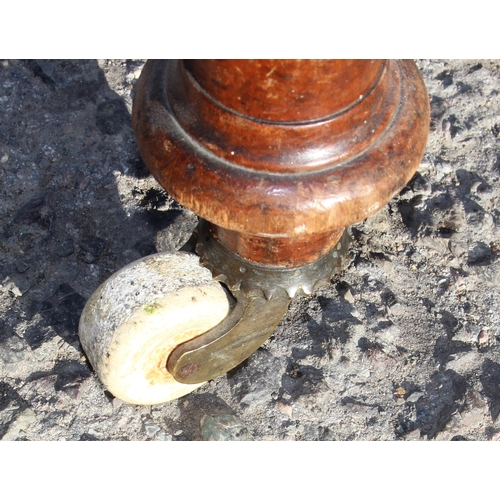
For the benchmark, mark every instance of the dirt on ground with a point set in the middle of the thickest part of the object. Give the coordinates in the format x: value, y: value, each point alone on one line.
x: 402, y: 345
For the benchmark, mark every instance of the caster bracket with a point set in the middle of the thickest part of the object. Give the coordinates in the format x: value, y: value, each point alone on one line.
x: 249, y: 324
x: 262, y: 293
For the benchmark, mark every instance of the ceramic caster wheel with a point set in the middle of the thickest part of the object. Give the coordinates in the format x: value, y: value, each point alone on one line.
x: 134, y: 320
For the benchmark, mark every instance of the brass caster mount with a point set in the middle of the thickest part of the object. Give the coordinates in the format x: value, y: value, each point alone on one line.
x: 277, y: 158
x: 262, y: 295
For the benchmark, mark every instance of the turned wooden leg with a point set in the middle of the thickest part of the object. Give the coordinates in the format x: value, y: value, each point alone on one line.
x: 277, y: 157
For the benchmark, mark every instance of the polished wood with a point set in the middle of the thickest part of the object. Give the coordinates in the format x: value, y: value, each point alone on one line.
x: 277, y: 251
x: 285, y: 90
x: 330, y: 132
x: 281, y: 155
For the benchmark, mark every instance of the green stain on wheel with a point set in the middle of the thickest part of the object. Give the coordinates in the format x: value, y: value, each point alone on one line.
x: 150, y: 308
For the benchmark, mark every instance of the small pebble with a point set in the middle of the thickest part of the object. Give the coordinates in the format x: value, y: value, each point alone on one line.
x: 474, y: 187
x: 84, y: 183
x: 21, y: 423
x: 151, y: 429
x: 396, y: 309
x: 224, y: 427
x: 65, y: 248
x: 483, y: 337
x: 413, y: 435
x: 414, y: 397
x: 462, y: 362
x: 21, y: 266
x: 399, y: 394
x: 117, y: 403
x: 285, y: 408
x: 163, y: 436
x: 348, y: 297
x: 18, y: 285
x: 388, y: 334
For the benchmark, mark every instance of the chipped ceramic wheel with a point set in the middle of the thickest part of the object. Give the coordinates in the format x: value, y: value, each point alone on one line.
x: 134, y: 320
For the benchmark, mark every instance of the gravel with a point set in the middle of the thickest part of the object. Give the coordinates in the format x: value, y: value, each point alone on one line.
x: 403, y: 344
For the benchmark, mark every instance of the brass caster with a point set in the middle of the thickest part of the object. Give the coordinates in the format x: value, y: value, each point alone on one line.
x: 262, y: 295
x: 160, y: 327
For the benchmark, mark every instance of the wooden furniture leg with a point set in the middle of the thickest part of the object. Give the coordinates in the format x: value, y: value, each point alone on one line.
x: 277, y: 157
